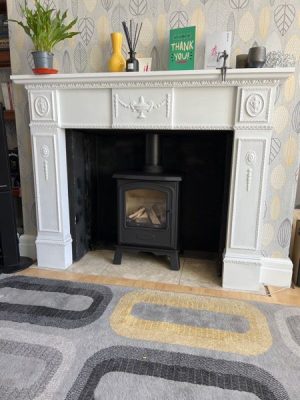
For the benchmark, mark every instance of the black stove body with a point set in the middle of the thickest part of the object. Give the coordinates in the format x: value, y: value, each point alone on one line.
x: 148, y: 208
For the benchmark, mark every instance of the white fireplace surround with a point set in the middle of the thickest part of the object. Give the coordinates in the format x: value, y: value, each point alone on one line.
x: 186, y: 100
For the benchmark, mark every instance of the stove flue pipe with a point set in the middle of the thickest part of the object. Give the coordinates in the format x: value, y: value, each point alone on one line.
x: 153, y: 154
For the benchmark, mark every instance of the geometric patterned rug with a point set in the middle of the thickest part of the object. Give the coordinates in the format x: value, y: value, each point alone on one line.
x: 68, y: 340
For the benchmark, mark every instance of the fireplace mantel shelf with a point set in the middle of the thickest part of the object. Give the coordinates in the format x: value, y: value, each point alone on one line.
x: 186, y: 100
x: 235, y: 77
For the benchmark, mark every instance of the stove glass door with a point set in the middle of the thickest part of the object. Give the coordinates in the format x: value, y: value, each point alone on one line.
x: 146, y: 208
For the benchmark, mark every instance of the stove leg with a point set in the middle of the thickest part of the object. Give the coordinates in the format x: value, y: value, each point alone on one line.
x: 118, y: 256
x: 174, y: 261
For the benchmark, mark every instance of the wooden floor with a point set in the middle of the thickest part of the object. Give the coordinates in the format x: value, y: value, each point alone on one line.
x: 287, y: 296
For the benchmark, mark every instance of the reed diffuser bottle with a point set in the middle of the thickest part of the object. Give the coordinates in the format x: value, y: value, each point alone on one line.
x: 132, y: 64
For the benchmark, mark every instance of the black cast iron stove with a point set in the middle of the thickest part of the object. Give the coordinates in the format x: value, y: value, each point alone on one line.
x: 148, y: 208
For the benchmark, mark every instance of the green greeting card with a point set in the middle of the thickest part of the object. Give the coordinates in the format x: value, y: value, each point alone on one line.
x: 182, y: 48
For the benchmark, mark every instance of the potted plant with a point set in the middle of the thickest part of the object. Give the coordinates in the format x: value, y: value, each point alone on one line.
x: 46, y: 27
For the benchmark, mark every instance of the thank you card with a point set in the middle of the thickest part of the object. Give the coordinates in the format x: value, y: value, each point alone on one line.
x: 182, y: 48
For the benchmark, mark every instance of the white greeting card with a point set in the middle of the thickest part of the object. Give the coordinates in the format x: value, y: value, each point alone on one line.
x: 216, y: 43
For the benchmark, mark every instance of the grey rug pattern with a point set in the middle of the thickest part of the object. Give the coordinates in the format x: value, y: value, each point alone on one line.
x: 58, y: 340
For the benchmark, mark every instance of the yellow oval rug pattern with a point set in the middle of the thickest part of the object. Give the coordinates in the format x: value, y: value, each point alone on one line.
x: 254, y: 339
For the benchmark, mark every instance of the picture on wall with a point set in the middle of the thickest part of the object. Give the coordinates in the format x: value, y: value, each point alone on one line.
x: 182, y: 48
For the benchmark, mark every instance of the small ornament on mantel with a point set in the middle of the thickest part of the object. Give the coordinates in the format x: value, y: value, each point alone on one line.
x: 257, y: 57
x: 215, y: 44
x: 116, y: 62
x: 132, y: 36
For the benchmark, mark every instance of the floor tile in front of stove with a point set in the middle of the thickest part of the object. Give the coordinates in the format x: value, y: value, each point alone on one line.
x: 200, y: 273
x: 147, y: 267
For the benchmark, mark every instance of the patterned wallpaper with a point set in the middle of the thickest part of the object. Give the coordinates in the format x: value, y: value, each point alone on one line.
x: 273, y: 23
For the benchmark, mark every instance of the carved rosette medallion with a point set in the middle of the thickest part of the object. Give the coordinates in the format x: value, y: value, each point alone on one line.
x: 45, y: 151
x: 41, y: 106
x: 250, y: 158
x: 254, y: 105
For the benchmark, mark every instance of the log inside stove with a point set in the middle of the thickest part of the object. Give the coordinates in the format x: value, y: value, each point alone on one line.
x: 153, y: 215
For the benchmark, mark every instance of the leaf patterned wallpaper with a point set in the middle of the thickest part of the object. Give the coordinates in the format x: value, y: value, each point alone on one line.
x: 273, y: 23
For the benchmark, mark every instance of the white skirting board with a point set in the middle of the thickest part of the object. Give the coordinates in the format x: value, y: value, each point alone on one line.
x: 276, y: 271
x: 27, y: 246
x: 243, y: 274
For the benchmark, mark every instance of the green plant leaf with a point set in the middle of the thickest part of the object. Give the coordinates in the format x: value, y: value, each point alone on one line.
x: 45, y: 26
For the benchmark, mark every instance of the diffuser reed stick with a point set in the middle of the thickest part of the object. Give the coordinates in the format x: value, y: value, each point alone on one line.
x: 137, y: 38
x: 128, y: 38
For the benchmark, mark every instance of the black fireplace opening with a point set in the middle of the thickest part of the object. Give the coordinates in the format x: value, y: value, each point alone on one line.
x: 201, y: 158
